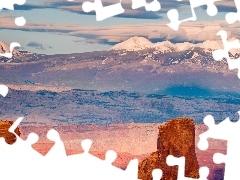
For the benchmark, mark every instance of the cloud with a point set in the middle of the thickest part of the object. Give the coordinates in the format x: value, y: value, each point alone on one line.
x: 38, y: 45
x: 140, y: 13
x: 76, y: 7
x: 27, y: 7
x: 189, y: 31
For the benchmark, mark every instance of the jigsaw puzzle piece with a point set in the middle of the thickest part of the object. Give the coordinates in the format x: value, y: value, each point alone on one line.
x: 157, y: 174
x: 153, y: 6
x: 12, y: 46
x: 232, y: 17
x: 58, y: 149
x: 219, y: 158
x: 3, y: 90
x: 216, y: 131
x: 203, y: 143
x: 224, y: 53
x: 86, y: 145
x: 9, y: 4
x: 103, y: 169
x: 87, y: 164
x: 21, y: 151
x: 22, y: 146
x: 56, y: 157
x: 231, y: 161
x: 110, y: 172
x: 20, y: 21
x: 110, y: 156
x: 132, y: 169
x: 180, y: 162
x: 103, y: 13
x: 227, y: 46
x: 173, y: 14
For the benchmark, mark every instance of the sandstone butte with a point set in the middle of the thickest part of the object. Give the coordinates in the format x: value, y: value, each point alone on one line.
x: 9, y: 137
x: 176, y: 137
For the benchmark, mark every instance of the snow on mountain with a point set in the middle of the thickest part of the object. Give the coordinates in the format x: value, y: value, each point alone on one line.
x: 5, y: 48
x: 134, y: 44
x: 211, y: 45
x: 165, y: 46
x: 139, y: 43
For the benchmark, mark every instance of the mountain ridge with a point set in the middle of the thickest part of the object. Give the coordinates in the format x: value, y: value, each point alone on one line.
x: 145, y: 70
x: 139, y: 43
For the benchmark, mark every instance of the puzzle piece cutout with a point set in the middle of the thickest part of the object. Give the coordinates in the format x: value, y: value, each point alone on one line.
x: 3, y: 90
x: 153, y: 6
x: 21, y: 151
x: 173, y: 14
x: 224, y: 53
x: 12, y: 46
x: 19, y: 21
x: 56, y: 164
x: 229, y: 131
x: 157, y: 174
x: 180, y: 162
x: 232, y: 17
x: 51, y: 166
x: 9, y: 4
x: 102, y: 169
x: 58, y: 149
x: 103, y: 13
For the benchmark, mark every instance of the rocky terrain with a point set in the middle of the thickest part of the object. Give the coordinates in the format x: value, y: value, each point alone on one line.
x: 9, y: 137
x: 103, y: 108
x: 147, y: 70
x: 176, y: 137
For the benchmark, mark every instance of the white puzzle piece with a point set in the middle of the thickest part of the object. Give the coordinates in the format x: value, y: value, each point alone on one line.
x: 232, y: 17
x: 173, y: 14
x: 224, y: 53
x: 153, y: 6
x: 180, y: 162
x: 3, y: 90
x: 103, y: 13
x: 229, y: 131
x: 19, y: 21
x: 12, y: 46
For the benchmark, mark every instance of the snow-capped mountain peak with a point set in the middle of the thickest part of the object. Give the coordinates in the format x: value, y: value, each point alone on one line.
x: 211, y: 45
x: 139, y: 43
x: 134, y: 44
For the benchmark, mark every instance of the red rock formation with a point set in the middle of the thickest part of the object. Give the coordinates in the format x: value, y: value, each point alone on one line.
x: 176, y: 137
x: 9, y: 137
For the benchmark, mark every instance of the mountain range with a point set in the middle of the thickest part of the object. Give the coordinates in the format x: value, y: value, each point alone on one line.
x: 133, y: 65
x: 134, y: 81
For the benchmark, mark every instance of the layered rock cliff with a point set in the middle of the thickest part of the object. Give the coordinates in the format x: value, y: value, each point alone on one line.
x: 9, y: 137
x: 176, y: 137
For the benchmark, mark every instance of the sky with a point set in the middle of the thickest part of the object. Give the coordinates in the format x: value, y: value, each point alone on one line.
x: 61, y: 26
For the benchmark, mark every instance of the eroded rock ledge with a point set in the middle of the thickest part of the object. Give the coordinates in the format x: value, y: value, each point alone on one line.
x: 176, y: 137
